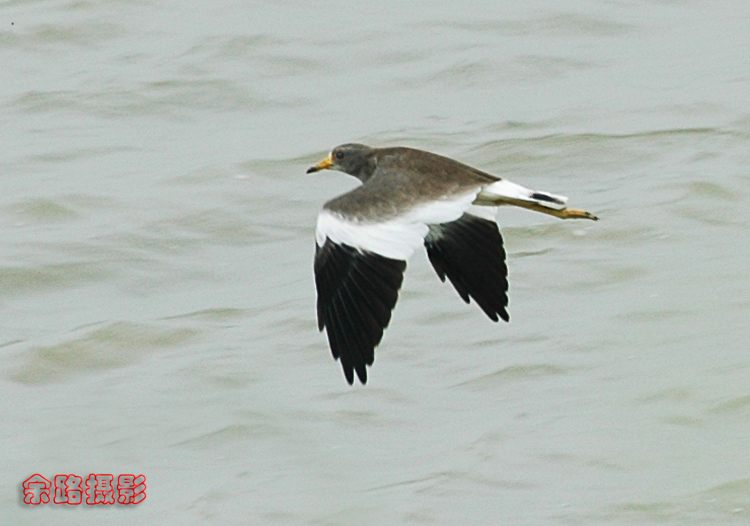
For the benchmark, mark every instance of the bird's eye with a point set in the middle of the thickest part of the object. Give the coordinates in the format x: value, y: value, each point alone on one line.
x: 339, y: 155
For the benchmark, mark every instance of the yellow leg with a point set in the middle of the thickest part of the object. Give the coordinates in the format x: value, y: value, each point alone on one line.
x: 562, y: 213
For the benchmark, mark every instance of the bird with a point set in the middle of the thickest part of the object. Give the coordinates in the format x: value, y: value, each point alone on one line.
x: 409, y: 197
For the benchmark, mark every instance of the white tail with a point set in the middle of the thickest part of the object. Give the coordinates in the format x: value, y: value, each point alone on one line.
x: 493, y: 194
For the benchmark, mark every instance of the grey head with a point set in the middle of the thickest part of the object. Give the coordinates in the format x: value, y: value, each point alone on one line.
x: 353, y: 159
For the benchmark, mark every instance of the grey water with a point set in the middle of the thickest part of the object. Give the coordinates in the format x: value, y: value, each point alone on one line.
x: 157, y: 305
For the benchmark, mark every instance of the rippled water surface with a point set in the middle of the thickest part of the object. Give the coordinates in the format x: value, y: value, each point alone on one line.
x: 156, y: 262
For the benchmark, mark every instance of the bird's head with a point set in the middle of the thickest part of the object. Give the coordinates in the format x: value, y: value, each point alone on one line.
x: 353, y: 159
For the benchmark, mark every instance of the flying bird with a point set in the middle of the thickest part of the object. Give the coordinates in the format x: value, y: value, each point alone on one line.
x: 409, y: 197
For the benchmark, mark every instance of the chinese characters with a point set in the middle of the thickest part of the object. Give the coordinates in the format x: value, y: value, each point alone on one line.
x: 98, y: 488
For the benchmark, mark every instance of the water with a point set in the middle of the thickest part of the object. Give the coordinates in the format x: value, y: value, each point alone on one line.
x: 157, y: 236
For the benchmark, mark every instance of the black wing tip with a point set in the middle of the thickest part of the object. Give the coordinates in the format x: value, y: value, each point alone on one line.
x: 495, y: 314
x: 350, y: 369
x: 357, y: 292
x: 470, y: 252
x: 349, y: 375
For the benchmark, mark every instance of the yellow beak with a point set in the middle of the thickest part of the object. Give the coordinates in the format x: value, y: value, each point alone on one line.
x: 322, y: 165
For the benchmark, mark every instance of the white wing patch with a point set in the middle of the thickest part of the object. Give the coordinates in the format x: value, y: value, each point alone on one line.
x: 395, y: 238
x: 392, y: 239
x: 504, y: 188
x: 484, y: 212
